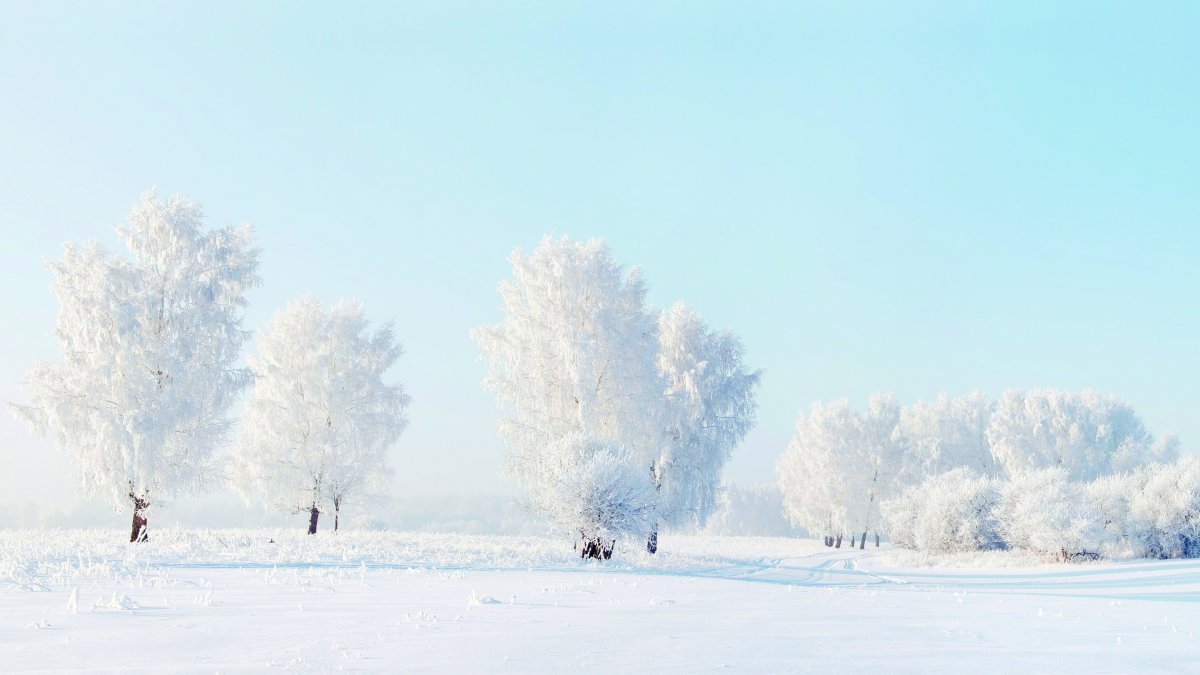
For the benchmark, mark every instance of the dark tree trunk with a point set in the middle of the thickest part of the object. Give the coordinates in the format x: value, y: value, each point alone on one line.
x: 862, y: 543
x: 597, y: 550
x: 828, y: 540
x: 876, y: 540
x: 337, y: 513
x: 312, y: 519
x: 652, y: 542
x: 837, y: 543
x: 140, y: 532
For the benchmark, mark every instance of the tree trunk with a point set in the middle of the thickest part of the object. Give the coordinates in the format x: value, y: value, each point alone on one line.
x: 652, y: 542
x: 140, y: 532
x: 828, y: 540
x: 337, y: 513
x: 837, y: 543
x: 597, y: 550
x: 862, y: 543
x: 312, y: 519
x: 876, y: 540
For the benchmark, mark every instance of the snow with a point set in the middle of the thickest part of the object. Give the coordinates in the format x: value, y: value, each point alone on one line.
x: 231, y: 601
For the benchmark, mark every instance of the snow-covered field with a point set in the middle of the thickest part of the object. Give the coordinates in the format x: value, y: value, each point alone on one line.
x: 261, y: 600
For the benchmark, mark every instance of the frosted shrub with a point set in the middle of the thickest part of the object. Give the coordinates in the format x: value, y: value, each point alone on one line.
x: 1044, y: 512
x: 900, y: 515
x: 1164, y: 516
x: 602, y: 493
x: 1111, y: 497
x: 948, y: 513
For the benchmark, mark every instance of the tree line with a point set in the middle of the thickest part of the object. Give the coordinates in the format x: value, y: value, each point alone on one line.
x: 970, y: 473
x: 618, y: 418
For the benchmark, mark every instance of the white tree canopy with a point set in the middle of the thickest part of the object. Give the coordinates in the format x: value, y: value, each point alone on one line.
x: 814, y: 472
x: 1087, y: 434
x: 708, y: 410
x: 575, y: 352
x: 150, y: 346
x: 879, y: 455
x: 321, y: 419
x: 841, y: 465
x: 946, y: 434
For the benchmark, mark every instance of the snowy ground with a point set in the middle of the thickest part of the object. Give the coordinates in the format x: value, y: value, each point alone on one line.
x: 231, y: 601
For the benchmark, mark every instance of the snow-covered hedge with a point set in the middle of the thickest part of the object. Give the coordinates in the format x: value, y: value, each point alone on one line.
x: 948, y: 513
x: 843, y: 462
x: 1152, y: 512
x: 1164, y: 514
x: 1045, y: 512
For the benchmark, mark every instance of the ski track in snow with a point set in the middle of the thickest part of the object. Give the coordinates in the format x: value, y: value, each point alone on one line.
x: 236, y: 601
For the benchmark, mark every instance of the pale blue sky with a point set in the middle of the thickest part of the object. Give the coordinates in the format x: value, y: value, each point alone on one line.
x: 914, y: 197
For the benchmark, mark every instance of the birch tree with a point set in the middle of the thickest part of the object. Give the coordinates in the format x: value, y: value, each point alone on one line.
x: 593, y: 381
x: 709, y: 407
x: 321, y: 419
x: 573, y: 365
x: 150, y: 344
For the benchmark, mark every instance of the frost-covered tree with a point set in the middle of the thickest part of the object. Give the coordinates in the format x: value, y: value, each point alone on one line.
x: 1088, y: 435
x: 573, y: 363
x: 709, y: 408
x: 875, y: 455
x: 815, y: 471
x: 321, y: 418
x: 878, y: 457
x: 947, y: 434
x: 150, y: 346
x: 583, y: 367
x: 840, y: 466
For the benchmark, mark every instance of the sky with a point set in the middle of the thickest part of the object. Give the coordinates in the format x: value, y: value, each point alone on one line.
x: 908, y: 197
